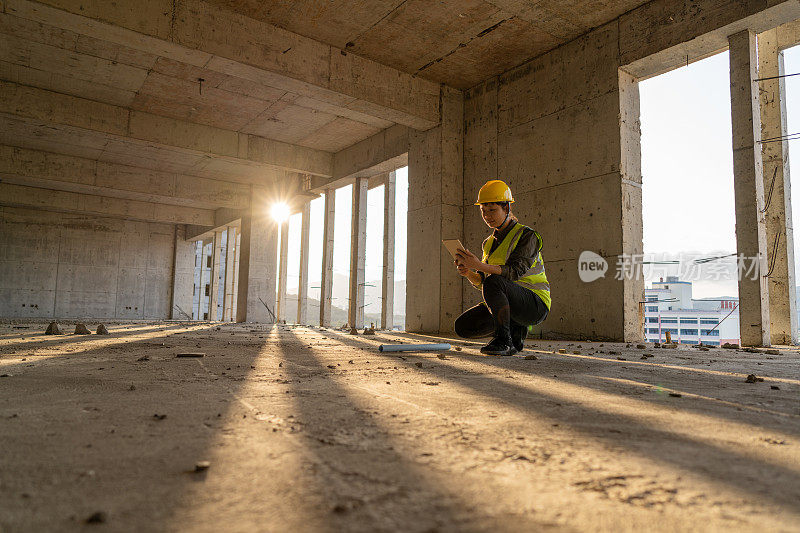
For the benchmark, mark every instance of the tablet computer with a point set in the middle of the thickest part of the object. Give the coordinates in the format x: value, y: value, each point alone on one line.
x: 453, y: 245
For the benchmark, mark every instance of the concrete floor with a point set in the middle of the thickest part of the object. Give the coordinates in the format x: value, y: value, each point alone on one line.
x: 314, y: 430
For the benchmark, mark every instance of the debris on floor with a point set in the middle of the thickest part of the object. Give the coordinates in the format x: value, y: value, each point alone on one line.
x: 97, y: 518
x: 53, y: 329
x: 191, y: 354
x: 102, y: 330
x: 752, y: 378
x: 81, y: 329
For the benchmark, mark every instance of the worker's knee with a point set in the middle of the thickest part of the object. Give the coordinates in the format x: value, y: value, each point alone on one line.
x: 492, y: 282
x: 462, y: 328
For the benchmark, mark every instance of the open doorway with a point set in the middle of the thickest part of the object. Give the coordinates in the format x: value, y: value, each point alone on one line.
x: 688, y: 205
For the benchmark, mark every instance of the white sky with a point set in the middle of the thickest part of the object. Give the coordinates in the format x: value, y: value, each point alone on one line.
x: 341, y: 228
x: 687, y: 162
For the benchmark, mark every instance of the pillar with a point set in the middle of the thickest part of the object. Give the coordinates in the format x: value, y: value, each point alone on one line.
x: 283, y: 270
x: 629, y: 193
x: 258, y: 259
x: 326, y: 287
x: 184, y: 253
x: 777, y: 191
x: 201, y: 287
x: 387, y: 291
x: 236, y: 275
x: 358, y: 245
x: 435, y: 185
x: 216, y: 264
x: 748, y: 183
x: 230, y: 268
x: 302, y: 287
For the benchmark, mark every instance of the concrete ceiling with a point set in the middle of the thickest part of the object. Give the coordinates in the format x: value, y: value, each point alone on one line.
x: 456, y: 42
x: 141, y: 81
x: 222, y: 94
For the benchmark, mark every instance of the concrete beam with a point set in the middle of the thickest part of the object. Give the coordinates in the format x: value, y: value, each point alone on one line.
x: 661, y: 35
x: 788, y: 34
x: 119, y: 123
x: 777, y: 187
x: 206, y: 36
x: 47, y: 170
x: 22, y: 196
x: 223, y: 218
x: 383, y: 152
x: 748, y: 181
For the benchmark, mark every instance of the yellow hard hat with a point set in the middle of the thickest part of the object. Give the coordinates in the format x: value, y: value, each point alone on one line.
x: 494, y: 191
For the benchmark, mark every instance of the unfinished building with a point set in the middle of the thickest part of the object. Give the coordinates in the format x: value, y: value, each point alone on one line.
x: 145, y: 128
x: 132, y: 131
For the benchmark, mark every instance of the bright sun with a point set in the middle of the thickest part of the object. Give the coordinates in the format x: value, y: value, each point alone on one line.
x: 280, y: 212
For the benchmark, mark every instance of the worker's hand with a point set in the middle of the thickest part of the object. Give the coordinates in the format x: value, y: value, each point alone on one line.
x: 468, y: 259
x: 464, y: 271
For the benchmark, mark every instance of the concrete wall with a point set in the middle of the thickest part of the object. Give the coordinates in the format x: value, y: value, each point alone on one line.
x: 562, y: 130
x: 435, y: 184
x: 75, y: 266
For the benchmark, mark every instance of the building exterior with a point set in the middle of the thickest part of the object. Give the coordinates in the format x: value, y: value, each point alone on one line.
x: 669, y: 307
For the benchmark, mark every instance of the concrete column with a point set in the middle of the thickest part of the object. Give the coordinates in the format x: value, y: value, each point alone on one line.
x: 777, y: 191
x: 283, y: 270
x: 236, y: 275
x: 258, y: 260
x: 387, y: 291
x: 302, y: 288
x: 182, y: 275
x: 230, y: 260
x: 326, y: 287
x: 201, y: 287
x: 630, y: 195
x: 748, y: 183
x: 435, y: 212
x: 216, y: 264
x: 358, y: 254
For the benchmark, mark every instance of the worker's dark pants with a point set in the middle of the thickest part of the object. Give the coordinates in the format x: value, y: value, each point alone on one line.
x: 505, y: 304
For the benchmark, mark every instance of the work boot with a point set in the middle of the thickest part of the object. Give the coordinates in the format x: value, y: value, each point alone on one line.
x: 499, y: 346
x: 518, y: 335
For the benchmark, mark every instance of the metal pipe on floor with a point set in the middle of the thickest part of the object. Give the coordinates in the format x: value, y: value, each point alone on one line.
x: 414, y: 347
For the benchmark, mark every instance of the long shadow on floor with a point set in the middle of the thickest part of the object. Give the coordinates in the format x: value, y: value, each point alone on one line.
x: 360, y: 472
x: 35, y: 340
x: 747, y: 474
x: 113, y: 430
x: 575, y: 371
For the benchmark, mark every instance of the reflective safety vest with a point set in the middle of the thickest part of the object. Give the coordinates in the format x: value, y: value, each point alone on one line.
x: 535, y: 278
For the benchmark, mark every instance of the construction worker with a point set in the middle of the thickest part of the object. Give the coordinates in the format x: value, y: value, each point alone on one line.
x: 510, y: 275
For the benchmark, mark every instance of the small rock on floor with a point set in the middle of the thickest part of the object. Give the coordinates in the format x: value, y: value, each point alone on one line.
x: 53, y: 329
x: 81, y: 329
x: 97, y: 518
x: 102, y: 330
x: 752, y: 378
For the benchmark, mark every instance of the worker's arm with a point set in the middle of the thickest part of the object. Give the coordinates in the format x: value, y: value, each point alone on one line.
x: 469, y: 260
x: 474, y: 277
